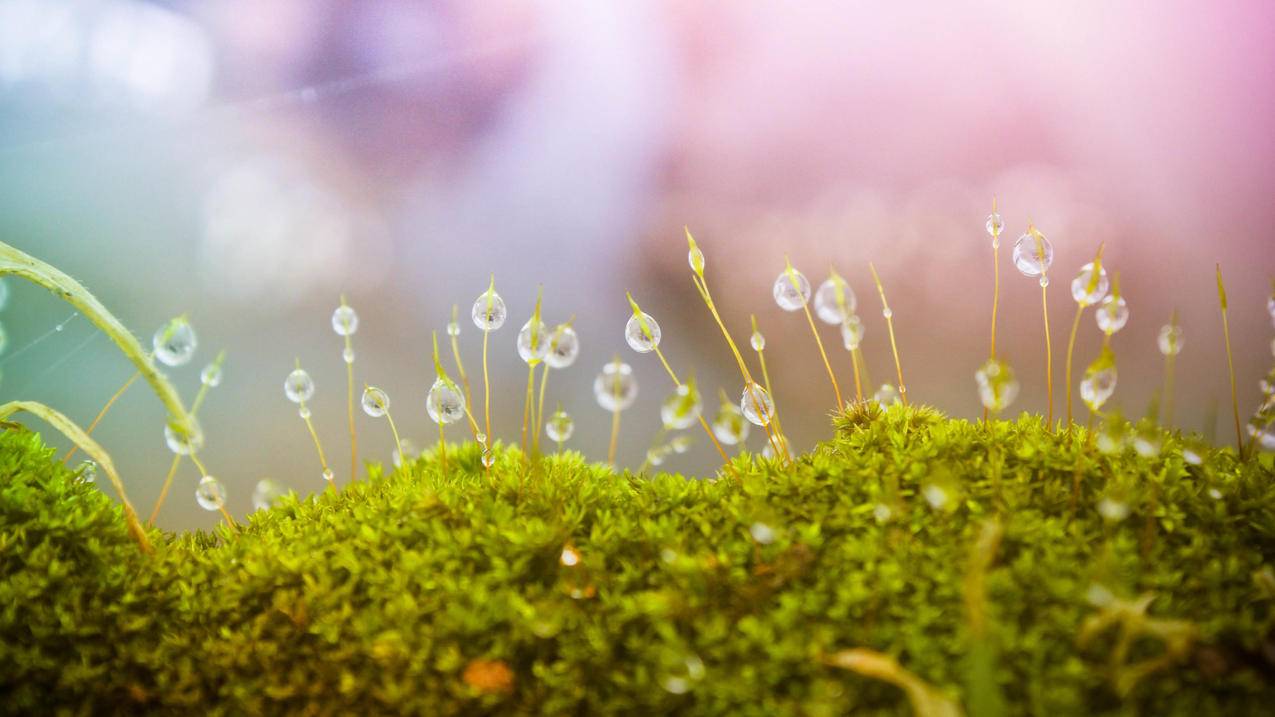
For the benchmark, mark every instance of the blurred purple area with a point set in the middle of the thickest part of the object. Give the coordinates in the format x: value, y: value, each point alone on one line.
x: 248, y: 162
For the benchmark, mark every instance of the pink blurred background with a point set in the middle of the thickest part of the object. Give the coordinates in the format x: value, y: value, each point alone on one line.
x: 247, y: 162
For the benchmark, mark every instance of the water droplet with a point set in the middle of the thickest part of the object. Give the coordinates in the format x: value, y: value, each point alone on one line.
x: 757, y: 405
x: 489, y: 458
x: 210, y: 494
x: 1147, y: 442
x: 1088, y: 290
x: 481, y: 438
x: 560, y: 426
x: 211, y: 375
x: 445, y: 404
x: 1215, y: 494
x: 682, y: 674
x: 615, y: 388
x: 1099, y: 595
x: 298, y: 386
x: 1112, y: 510
x: 409, y: 450
x: 682, y: 408
x: 569, y: 557
x: 1170, y: 340
x: 1112, y: 437
x: 655, y: 456
x: 564, y: 347
x: 997, y: 387
x: 995, y: 225
x: 1044, y: 281
x: 762, y: 533
x: 267, y: 493
x: 887, y: 395
x: 174, y: 342
x: 88, y: 472
x: 852, y: 332
x: 935, y: 495
x: 642, y: 333
x: 730, y: 426
x: 882, y: 513
x: 1267, y: 384
x: 834, y: 301
x: 489, y: 311
x: 1112, y: 314
x: 347, y: 354
x: 533, y: 341
x: 887, y: 312
x: 304, y: 411
x: 694, y: 257
x: 345, y: 321
x: 758, y: 341
x: 1032, y: 257
x: 791, y: 297
x: 680, y: 444
x: 1262, y: 429
x: 1192, y: 456
x: 184, y: 443
x: 376, y: 403
x: 768, y: 451
x: 328, y: 475
x: 453, y: 328
x: 1099, y: 382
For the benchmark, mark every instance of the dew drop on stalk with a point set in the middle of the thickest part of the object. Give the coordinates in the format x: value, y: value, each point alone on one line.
x: 788, y: 296
x: 1170, y: 340
x: 834, y: 301
x: 560, y: 426
x: 887, y: 395
x: 642, y: 333
x: 1088, y: 290
x: 345, y: 321
x: 683, y: 675
x: 695, y: 258
x: 995, y: 225
x: 682, y: 408
x: 757, y: 405
x: 298, y: 387
x: 569, y: 557
x: 1033, y: 254
x: 936, y: 495
x: 680, y: 444
x: 347, y: 355
x: 1098, y: 384
x: 304, y: 411
x: 1112, y: 437
x: 410, y: 452
x: 328, y: 475
x: 88, y: 471
x: 533, y: 341
x: 997, y: 387
x: 615, y: 388
x: 730, y: 426
x: 489, y: 311
x: 267, y: 493
x: 1146, y: 442
x: 184, y: 443
x: 564, y: 347
x: 453, y: 328
x: 210, y: 494
x: 211, y: 375
x: 758, y: 341
x: 175, y: 342
x: 481, y: 438
x: 489, y: 458
x: 376, y: 403
x: 445, y: 404
x: 768, y: 452
x: 1112, y: 314
x: 852, y: 332
x: 655, y: 456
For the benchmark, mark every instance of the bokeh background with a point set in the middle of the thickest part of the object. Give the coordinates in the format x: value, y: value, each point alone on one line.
x: 247, y: 162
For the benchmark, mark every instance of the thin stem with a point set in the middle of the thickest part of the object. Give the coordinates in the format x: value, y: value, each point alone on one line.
x: 702, y: 422
x: 996, y: 292
x: 486, y: 396
x: 163, y: 492
x: 1071, y: 346
x: 615, y: 436
x: 836, y: 389
x: 1230, y: 363
x: 349, y: 406
x: 858, y: 385
x: 102, y: 413
x: 398, y: 445
x: 889, y: 323
x: 702, y: 286
x: 526, y: 407
x: 777, y: 444
x: 442, y: 448
x: 655, y: 442
x: 1049, y: 363
x: 863, y: 367
x: 460, y: 365
x: 323, y: 459
x: 540, y: 410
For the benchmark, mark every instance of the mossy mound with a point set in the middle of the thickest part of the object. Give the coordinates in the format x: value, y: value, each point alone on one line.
x: 437, y: 592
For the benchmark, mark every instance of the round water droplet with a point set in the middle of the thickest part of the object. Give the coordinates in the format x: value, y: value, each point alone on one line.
x: 489, y: 458
x: 655, y: 456
x: 995, y: 225
x: 852, y: 332
x: 997, y: 387
x: 882, y: 513
x: 642, y: 333
x: 489, y: 311
x: 680, y: 444
x: 481, y: 438
x: 183, y: 444
x: 453, y: 328
x: 834, y: 301
x: 345, y: 321
x: 410, y: 451
x: 762, y: 533
x: 298, y: 386
x: 1192, y: 456
x: 1097, y: 386
x: 682, y: 408
x: 88, y: 472
x: 174, y: 342
x: 887, y: 312
x: 790, y: 296
x: 887, y: 395
x: 347, y: 354
x: 445, y: 404
x: 1170, y: 340
x: 730, y: 426
x: 758, y: 341
x: 211, y: 375
x: 1086, y: 289
x: 1147, y: 443
x: 210, y: 494
x: 1112, y: 314
x: 560, y: 426
x: 1033, y: 254
x: 615, y: 388
x: 328, y: 475
x: 304, y: 411
x: 757, y: 405
x: 564, y: 347
x: 936, y: 495
x: 376, y: 403
x: 569, y: 557
x: 533, y: 341
x: 1113, y: 510
x: 682, y: 674
x: 1044, y: 281
x: 267, y: 493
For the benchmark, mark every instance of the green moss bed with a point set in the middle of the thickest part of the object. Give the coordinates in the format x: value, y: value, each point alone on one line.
x: 445, y: 592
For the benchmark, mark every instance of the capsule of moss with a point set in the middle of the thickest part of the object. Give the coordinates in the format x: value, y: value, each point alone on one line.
x: 211, y: 375
x: 186, y: 442
x: 1170, y: 340
x: 997, y: 387
x: 88, y: 471
x: 1033, y: 253
x: 489, y: 312
x: 1099, y: 381
x: 1112, y: 314
x: 852, y: 332
x: 533, y: 341
x: 210, y: 493
x: 995, y: 225
x: 642, y: 332
x: 834, y: 301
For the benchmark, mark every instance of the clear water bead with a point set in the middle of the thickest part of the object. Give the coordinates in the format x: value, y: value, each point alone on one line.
x: 560, y: 426
x: 695, y: 258
x: 758, y: 341
x: 533, y: 341
x: 682, y: 408
x: 642, y: 333
x: 852, y: 332
x: 615, y: 388
x: 757, y: 405
x: 791, y: 297
x: 1170, y: 340
x: 410, y: 452
x: 882, y: 513
x: 655, y: 456
x: 347, y: 355
x: 481, y: 438
x: 210, y: 494
x: 453, y: 328
x: 304, y: 411
x: 1087, y: 289
x: 267, y: 493
x: 489, y: 311
x: 834, y: 301
x: 887, y: 395
x: 1112, y: 314
x: 887, y: 312
x: 1113, y: 510
x: 175, y: 342
x: 1097, y: 386
x: 345, y: 321
x: 683, y: 675
x: 298, y: 387
x: 88, y: 472
x: 184, y: 444
x: 328, y: 475
x: 1033, y: 258
x: 730, y: 426
x: 489, y: 458
x: 376, y: 403
x: 1147, y: 442
x: 445, y: 404
x: 997, y: 387
x: 762, y: 533
x: 995, y: 225
x: 564, y: 347
x: 211, y: 375
x: 680, y: 444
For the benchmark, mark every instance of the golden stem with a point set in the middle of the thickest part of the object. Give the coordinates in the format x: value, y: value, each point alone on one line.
x: 1230, y: 364
x: 889, y: 323
x: 349, y: 406
x: 398, y: 445
x: 702, y: 422
x: 229, y: 520
x: 858, y: 385
x: 540, y: 410
x: 615, y: 436
x: 824, y: 355
x: 702, y: 286
x: 163, y: 492
x: 779, y: 446
x: 323, y: 459
x: 100, y: 414
x: 1049, y: 363
x: 1071, y: 345
x: 442, y: 448
x: 460, y: 365
x: 486, y: 395
x: 863, y: 367
x: 526, y: 407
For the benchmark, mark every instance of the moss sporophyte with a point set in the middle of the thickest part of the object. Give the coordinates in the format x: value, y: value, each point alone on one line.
x: 908, y: 561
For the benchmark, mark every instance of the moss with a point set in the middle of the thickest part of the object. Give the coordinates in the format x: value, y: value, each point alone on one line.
x: 432, y: 593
